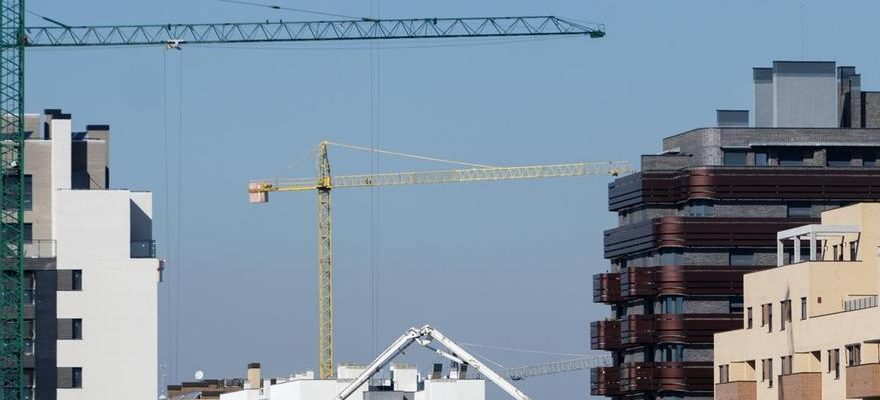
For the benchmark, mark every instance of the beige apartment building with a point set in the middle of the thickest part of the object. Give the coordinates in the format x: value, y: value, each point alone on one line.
x: 811, y: 326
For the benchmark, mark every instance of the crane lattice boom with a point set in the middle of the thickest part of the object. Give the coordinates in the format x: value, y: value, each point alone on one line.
x: 557, y: 367
x: 282, y: 31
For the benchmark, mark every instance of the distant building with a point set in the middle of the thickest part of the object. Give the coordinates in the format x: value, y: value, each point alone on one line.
x: 812, y: 327
x: 705, y: 211
x: 405, y: 383
x: 90, y: 269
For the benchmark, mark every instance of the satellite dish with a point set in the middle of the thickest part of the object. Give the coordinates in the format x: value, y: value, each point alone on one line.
x: 200, y: 375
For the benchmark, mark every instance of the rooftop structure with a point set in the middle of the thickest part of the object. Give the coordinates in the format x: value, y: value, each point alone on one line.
x: 707, y: 209
x: 829, y: 348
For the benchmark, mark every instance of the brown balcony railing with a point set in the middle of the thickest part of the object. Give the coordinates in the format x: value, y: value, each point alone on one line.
x: 676, y: 328
x: 863, y: 381
x: 605, y: 381
x: 606, y: 288
x: 742, y: 390
x: 672, y: 376
x: 801, y: 386
x: 605, y: 335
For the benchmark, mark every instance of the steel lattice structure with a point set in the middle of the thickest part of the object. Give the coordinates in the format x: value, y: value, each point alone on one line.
x: 15, y: 37
x: 281, y: 31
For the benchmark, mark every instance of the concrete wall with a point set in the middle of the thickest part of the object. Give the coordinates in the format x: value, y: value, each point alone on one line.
x: 763, y: 96
x: 805, y: 94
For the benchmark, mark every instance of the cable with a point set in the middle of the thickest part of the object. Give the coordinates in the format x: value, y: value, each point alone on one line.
x: 488, y: 41
x: 413, y: 156
x: 300, y: 10
x: 179, y: 213
x: 168, y: 327
x: 552, y: 353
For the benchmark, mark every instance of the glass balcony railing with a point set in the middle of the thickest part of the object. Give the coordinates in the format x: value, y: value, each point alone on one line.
x: 143, y: 249
x: 39, y: 249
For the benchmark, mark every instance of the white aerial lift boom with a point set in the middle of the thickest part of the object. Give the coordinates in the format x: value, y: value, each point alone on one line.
x: 424, y: 336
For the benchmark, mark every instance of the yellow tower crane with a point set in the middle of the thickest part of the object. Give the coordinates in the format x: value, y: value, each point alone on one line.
x: 325, y: 182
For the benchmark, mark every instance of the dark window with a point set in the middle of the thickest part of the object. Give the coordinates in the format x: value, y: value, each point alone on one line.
x: 671, y: 353
x: 28, y: 232
x: 762, y: 159
x: 76, y: 327
x: 723, y: 373
x: 803, y: 308
x: 791, y: 157
x: 785, y: 307
x: 786, y: 365
x: 767, y: 316
x: 672, y: 304
x: 839, y: 158
x: 749, y: 318
x: 741, y: 257
x: 767, y: 371
x: 800, y: 210
x: 76, y: 279
x: 834, y: 363
x: 76, y: 377
x: 853, y: 250
x: 671, y: 257
x: 736, y: 304
x: 853, y: 355
x: 69, y: 280
x: 12, y: 180
x: 734, y: 158
x: 869, y: 159
x: 69, y: 377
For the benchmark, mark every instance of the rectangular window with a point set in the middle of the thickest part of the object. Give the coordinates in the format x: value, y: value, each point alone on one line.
x: 767, y: 316
x: 742, y: 258
x: 853, y: 250
x: 853, y: 355
x: 76, y: 279
x: 786, y: 365
x: 723, y: 373
x: 28, y: 233
x: 800, y: 210
x: 869, y: 159
x: 749, y: 318
x: 767, y: 371
x: 803, y: 308
x: 735, y: 158
x: 69, y: 378
x: 69, y: 280
x: 834, y: 363
x: 672, y: 304
x: 671, y: 257
x: 791, y: 157
x: 785, y: 308
x: 701, y: 208
x: 11, y: 180
x: 736, y: 305
x: 76, y: 377
x: 839, y: 158
x: 762, y: 159
x: 76, y: 329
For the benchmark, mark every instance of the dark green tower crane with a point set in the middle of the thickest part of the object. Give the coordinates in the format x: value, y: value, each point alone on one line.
x: 15, y: 37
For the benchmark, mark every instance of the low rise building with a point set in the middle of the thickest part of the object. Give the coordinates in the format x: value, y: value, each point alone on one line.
x: 811, y: 327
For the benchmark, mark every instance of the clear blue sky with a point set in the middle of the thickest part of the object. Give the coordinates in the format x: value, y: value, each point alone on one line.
x: 508, y: 264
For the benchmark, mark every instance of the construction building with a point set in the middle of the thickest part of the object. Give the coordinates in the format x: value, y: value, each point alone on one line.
x: 811, y: 329
x: 706, y: 210
x: 91, y: 275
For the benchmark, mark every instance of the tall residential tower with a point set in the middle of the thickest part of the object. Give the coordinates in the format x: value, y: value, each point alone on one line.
x: 706, y: 210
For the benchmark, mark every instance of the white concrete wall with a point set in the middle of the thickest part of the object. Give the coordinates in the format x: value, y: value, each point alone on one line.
x: 311, y: 390
x: 448, y: 389
x: 118, y: 301
x: 60, y: 130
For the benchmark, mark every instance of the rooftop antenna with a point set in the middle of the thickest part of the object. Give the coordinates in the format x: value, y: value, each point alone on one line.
x: 803, y: 51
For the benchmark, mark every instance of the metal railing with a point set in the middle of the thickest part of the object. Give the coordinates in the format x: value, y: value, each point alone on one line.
x: 860, y: 303
x: 143, y: 249
x: 39, y: 249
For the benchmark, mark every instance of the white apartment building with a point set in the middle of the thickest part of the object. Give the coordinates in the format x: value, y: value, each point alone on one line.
x: 92, y: 276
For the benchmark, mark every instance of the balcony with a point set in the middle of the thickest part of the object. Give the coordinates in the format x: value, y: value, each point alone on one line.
x: 638, y: 282
x: 672, y: 376
x: 687, y: 328
x: 143, y: 249
x: 606, y: 288
x: 863, y: 381
x: 605, y: 381
x: 605, y: 335
x: 39, y: 249
x: 801, y: 386
x: 746, y: 390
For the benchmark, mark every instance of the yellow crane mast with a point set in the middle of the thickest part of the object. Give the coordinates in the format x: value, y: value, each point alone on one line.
x: 325, y: 182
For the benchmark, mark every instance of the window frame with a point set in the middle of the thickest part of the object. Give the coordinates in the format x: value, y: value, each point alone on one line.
x: 803, y: 308
x: 853, y: 354
x: 749, y: 318
x: 728, y: 160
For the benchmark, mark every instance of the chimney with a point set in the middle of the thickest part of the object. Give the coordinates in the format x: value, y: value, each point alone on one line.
x: 253, y: 375
x: 763, y: 100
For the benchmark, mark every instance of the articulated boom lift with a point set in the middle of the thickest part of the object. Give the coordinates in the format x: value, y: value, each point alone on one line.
x: 424, y: 336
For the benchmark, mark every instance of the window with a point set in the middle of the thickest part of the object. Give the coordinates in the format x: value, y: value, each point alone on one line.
x: 762, y: 159
x: 799, y: 210
x: 28, y: 232
x: 672, y: 305
x: 791, y: 157
x: 803, y: 308
x: 853, y: 355
x: 76, y: 279
x: 671, y: 353
x: 76, y: 328
x: 701, y: 208
x: 853, y: 250
x: 785, y: 307
x: 742, y: 257
x: 735, y: 158
x: 786, y: 365
x: 767, y: 316
x: 869, y: 159
x: 69, y: 280
x: 29, y: 294
x: 11, y: 180
x: 736, y: 305
x: 834, y: 363
x: 671, y: 257
x: 839, y: 158
x: 749, y: 318
x: 76, y: 377
x: 767, y: 371
x: 723, y: 373
x: 70, y: 378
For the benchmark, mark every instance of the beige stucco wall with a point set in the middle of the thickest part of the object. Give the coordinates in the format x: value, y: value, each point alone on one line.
x: 827, y: 326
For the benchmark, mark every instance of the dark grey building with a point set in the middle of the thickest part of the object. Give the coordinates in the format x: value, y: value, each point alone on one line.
x: 706, y: 210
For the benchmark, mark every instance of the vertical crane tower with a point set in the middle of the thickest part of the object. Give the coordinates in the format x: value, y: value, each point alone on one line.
x: 15, y: 37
